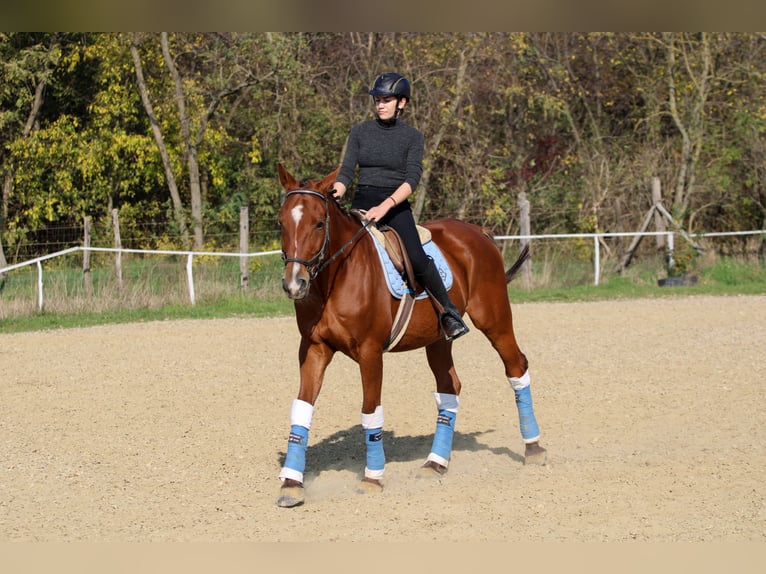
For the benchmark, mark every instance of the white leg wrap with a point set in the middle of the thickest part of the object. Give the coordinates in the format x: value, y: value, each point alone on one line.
x: 374, y: 420
x: 447, y: 402
x: 301, y: 413
x: 373, y: 474
x: 290, y: 473
x: 518, y: 383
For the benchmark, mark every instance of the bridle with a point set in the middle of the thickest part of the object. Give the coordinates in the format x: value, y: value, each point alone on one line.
x: 317, y: 263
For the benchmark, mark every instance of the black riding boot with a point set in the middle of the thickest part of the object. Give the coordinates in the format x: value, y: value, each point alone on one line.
x: 451, y: 323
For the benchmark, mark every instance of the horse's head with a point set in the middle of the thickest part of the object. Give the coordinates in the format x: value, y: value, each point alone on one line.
x: 304, y: 219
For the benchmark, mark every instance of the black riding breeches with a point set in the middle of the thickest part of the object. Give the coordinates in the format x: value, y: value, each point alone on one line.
x: 399, y: 218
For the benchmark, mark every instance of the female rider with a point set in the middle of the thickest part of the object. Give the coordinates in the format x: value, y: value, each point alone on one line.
x: 389, y: 154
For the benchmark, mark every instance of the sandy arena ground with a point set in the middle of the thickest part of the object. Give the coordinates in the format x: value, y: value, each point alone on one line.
x: 653, y: 413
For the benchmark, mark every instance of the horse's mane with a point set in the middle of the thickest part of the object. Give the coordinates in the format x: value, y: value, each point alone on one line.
x: 312, y: 183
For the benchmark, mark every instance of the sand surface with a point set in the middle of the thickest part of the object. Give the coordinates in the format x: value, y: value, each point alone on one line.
x: 653, y: 413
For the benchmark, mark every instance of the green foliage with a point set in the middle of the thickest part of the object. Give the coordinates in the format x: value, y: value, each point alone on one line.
x: 682, y: 260
x: 578, y: 121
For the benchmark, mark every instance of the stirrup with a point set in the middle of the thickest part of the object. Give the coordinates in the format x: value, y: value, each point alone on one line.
x: 462, y: 328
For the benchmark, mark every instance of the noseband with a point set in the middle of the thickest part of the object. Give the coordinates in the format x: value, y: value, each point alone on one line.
x: 317, y: 263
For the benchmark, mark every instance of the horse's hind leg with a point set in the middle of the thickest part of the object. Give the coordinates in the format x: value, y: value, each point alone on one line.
x: 447, y: 393
x: 530, y: 431
x: 497, y: 325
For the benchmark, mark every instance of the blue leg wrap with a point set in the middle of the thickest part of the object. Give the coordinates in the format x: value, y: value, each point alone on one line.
x: 527, y: 421
x: 296, y: 448
x: 445, y: 430
x: 376, y: 458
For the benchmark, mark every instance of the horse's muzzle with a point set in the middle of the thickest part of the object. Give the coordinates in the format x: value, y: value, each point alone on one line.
x: 295, y: 287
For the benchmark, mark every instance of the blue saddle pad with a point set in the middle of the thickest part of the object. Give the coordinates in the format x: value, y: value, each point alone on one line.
x: 394, y: 279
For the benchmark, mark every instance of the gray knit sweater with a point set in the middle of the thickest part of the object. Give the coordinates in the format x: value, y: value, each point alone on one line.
x: 387, y: 155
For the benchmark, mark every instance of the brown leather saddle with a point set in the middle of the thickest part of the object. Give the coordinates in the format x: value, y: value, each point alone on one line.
x: 394, y: 247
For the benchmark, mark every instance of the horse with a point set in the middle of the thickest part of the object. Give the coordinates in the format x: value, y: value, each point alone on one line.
x: 334, y: 276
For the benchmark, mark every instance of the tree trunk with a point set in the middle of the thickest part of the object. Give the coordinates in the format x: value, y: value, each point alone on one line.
x: 34, y: 111
x: 690, y: 124
x: 7, y: 183
x: 192, y: 157
x: 178, y: 209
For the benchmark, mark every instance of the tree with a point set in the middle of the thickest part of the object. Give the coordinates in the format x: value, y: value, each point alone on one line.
x: 175, y: 196
x: 208, y: 70
x: 26, y: 65
x: 689, y: 82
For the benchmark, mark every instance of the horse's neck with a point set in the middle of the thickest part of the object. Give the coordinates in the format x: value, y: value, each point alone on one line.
x: 343, y: 226
x: 346, y: 234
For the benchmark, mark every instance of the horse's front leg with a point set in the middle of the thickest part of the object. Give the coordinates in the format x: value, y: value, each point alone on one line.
x: 314, y: 358
x: 371, y: 370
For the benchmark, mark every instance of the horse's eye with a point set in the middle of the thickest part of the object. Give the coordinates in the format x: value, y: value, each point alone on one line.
x: 320, y: 224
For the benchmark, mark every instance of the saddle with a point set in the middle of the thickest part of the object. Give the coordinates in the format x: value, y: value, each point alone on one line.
x: 392, y: 242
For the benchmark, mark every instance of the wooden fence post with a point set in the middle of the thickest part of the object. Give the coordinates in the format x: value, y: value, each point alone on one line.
x: 244, y: 246
x: 118, y: 246
x: 86, y: 258
x: 525, y: 228
x: 659, y: 221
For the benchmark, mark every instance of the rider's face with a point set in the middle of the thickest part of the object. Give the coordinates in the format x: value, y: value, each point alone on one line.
x: 386, y: 106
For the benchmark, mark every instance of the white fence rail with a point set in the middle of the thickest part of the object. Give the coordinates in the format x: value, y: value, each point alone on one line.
x: 189, y: 259
x: 596, y: 237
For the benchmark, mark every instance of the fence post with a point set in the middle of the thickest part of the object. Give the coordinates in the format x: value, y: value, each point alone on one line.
x: 118, y: 246
x: 244, y: 236
x: 190, y: 277
x: 659, y: 222
x: 597, y: 261
x: 671, y: 247
x: 525, y: 229
x: 39, y: 286
x: 86, y: 258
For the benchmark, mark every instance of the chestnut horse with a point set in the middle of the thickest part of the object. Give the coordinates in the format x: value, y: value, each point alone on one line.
x: 342, y: 304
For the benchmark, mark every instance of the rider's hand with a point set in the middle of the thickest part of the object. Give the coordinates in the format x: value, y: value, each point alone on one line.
x: 337, y: 193
x: 378, y: 212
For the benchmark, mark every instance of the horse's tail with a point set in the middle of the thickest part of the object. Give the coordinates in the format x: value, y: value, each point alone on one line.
x: 523, y: 256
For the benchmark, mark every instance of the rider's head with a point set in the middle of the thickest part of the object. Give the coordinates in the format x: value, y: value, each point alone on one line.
x: 390, y: 87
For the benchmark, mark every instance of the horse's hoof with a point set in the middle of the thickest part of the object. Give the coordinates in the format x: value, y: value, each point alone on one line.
x: 291, y: 494
x: 431, y: 469
x: 369, y: 486
x: 535, y: 454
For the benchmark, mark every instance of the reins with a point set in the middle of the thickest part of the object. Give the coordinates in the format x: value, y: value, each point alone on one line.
x: 317, y: 263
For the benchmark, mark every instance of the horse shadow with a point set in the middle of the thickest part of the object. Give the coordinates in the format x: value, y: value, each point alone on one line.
x: 345, y: 449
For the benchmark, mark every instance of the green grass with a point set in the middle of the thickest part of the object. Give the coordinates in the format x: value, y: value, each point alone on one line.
x: 229, y: 307
x: 219, y: 295
x: 711, y: 282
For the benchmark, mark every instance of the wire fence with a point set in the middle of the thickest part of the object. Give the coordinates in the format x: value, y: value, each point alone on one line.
x: 135, y: 278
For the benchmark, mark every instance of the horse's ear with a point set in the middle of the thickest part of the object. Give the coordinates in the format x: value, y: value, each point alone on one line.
x: 285, y: 178
x: 328, y: 180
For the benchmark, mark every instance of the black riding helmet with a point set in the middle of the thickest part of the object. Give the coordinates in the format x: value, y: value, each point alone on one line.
x: 391, y: 84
